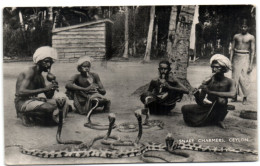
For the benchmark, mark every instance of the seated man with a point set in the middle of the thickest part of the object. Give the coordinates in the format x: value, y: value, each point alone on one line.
x: 30, y: 84
x: 213, y: 98
x: 163, y: 92
x: 86, y: 86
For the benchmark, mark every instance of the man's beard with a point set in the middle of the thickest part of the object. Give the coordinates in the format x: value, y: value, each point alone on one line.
x: 164, y: 75
x: 45, y: 69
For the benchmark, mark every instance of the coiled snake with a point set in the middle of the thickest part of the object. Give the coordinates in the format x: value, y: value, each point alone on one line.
x: 133, y: 127
x: 119, y: 142
x: 92, y: 125
x: 86, y: 150
x: 123, y: 127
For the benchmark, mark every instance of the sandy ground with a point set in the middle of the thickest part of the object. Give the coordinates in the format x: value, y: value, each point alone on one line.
x: 120, y: 80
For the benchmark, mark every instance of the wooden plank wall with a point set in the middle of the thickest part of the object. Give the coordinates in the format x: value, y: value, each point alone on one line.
x: 74, y: 43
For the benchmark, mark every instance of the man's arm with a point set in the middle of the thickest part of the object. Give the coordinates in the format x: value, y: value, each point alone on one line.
x: 199, y: 97
x: 232, y: 48
x: 25, y: 82
x: 230, y: 94
x: 152, y: 85
x: 100, y: 88
x: 72, y: 86
x: 179, y: 86
x: 49, y: 94
x: 252, y: 44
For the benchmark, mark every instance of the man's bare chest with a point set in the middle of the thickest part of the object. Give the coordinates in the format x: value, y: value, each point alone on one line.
x: 243, y: 39
x: 37, y: 82
x: 85, y: 81
x: 220, y: 86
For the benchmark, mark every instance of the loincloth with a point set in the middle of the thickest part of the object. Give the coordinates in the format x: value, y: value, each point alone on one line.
x: 83, y: 101
x: 28, y: 104
x: 239, y: 72
x: 31, y: 105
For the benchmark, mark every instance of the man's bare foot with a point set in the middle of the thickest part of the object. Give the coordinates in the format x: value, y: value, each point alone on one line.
x: 244, y: 102
x: 234, y: 99
x: 170, y: 114
x: 221, y: 124
x: 231, y: 107
x: 145, y: 111
x: 27, y: 121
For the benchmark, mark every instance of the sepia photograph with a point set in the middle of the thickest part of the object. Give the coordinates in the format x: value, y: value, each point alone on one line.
x: 129, y: 84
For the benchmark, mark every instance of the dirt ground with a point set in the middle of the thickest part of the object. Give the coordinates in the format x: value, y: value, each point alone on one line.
x: 121, y: 79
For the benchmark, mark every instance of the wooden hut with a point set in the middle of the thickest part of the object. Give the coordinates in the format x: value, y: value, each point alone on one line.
x: 92, y: 38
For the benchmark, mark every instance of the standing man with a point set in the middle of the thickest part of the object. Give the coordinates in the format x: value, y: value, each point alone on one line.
x: 242, y: 56
x: 29, y: 107
x: 164, y: 91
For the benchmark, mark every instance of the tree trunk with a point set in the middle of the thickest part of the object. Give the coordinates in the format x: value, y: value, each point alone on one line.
x: 24, y: 33
x: 178, y: 42
x: 54, y: 23
x: 134, y: 34
x: 177, y: 45
x: 172, y: 31
x: 50, y: 13
x: 21, y: 21
x: 156, y: 38
x: 125, y: 55
x: 150, y: 35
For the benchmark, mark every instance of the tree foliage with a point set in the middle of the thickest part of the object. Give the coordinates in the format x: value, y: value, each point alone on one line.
x: 21, y: 40
x: 223, y: 22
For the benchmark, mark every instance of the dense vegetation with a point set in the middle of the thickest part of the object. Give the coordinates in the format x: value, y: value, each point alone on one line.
x: 25, y: 29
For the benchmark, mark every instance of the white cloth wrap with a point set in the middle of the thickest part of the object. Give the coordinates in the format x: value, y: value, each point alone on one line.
x: 84, y: 59
x: 44, y: 52
x: 222, y: 60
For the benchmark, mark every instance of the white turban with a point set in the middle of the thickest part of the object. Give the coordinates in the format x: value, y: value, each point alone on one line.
x: 44, y: 52
x: 222, y: 60
x: 84, y: 59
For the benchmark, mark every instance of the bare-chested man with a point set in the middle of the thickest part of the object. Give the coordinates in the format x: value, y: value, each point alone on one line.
x: 163, y: 92
x: 216, y: 91
x: 242, y: 56
x: 86, y: 86
x: 30, y: 108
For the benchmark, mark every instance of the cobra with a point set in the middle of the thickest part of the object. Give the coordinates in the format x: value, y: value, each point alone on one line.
x: 119, y: 142
x: 139, y: 149
x: 123, y: 127
x: 60, y: 104
x: 133, y: 127
x: 86, y: 150
x: 92, y: 125
x: 170, y: 146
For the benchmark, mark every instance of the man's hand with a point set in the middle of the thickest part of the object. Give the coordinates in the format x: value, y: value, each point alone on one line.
x: 51, y: 87
x: 91, y: 88
x: 204, y: 88
x: 55, y: 82
x: 249, y: 70
x: 193, y: 91
x: 163, y: 96
x: 41, y: 99
x: 166, y: 85
x: 231, y: 60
